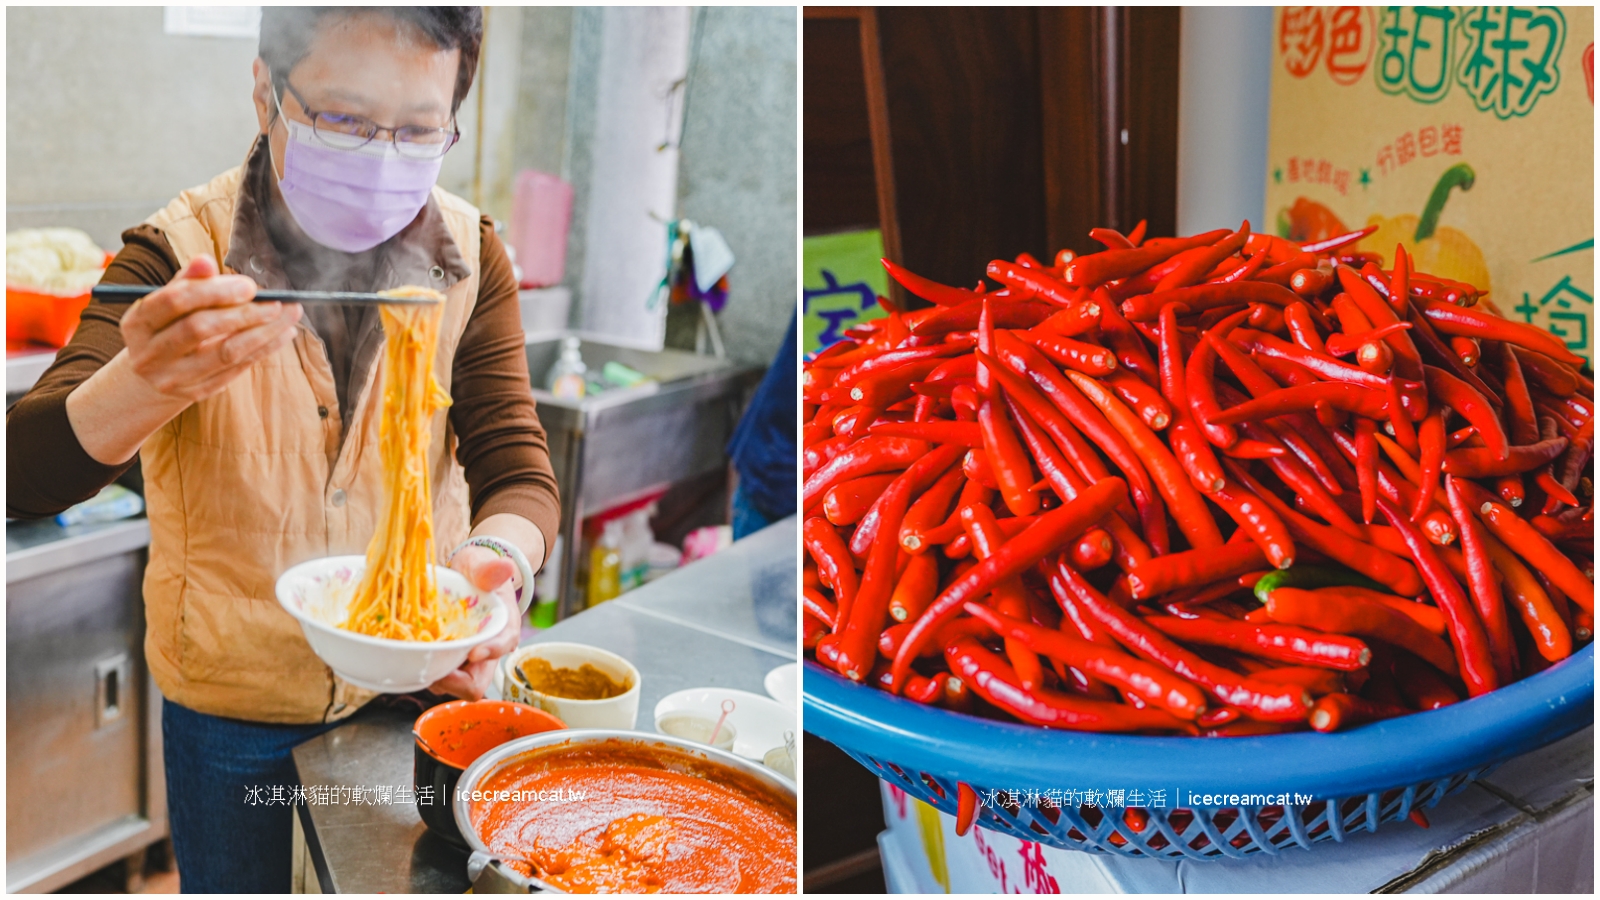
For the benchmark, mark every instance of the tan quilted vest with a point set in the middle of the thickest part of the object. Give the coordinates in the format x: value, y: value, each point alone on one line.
x: 253, y: 480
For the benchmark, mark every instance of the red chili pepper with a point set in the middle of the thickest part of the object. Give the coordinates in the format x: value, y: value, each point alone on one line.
x: 1044, y: 536
x: 915, y: 589
x: 1098, y: 268
x: 1256, y: 519
x: 1078, y: 410
x: 834, y: 564
x: 1481, y: 462
x: 868, y: 456
x: 1547, y: 373
x: 1472, y: 406
x: 1080, y: 318
x: 820, y: 608
x: 966, y: 808
x: 1484, y: 583
x: 1175, y: 570
x: 1203, y: 263
x: 1534, y: 604
x: 847, y: 502
x: 1334, y: 243
x: 967, y: 434
x: 1519, y: 404
x: 1285, y: 643
x: 930, y: 510
x: 1010, y: 596
x: 1034, y: 281
x: 1533, y: 547
x: 1009, y: 461
x: 1137, y: 393
x: 1318, y: 682
x: 1111, y: 238
x: 1199, y: 380
x: 1303, y: 398
x: 1344, y: 344
x: 1007, y: 314
x: 920, y: 476
x: 1408, y: 360
x: 1421, y: 684
x: 931, y: 291
x: 1087, y: 358
x: 1468, y: 350
x: 1430, y: 438
x: 1466, y: 629
x: 857, y: 646
x: 1147, y: 307
x: 1153, y: 683
x: 1092, y: 549
x: 1128, y: 548
x: 1342, y: 613
x: 990, y: 678
x: 1266, y: 702
x: 1383, y: 567
x: 1337, y: 711
x: 1454, y: 320
x: 1367, y: 467
x: 1182, y: 499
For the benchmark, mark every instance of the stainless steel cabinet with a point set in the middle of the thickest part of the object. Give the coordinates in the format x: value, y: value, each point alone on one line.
x: 612, y: 447
x: 84, y: 778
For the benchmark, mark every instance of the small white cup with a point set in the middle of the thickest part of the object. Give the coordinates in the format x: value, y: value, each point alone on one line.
x: 621, y: 711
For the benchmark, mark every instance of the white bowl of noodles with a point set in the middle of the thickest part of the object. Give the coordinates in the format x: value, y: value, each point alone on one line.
x: 318, y: 594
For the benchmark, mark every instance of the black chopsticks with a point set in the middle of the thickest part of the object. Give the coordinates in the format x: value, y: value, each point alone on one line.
x: 123, y: 293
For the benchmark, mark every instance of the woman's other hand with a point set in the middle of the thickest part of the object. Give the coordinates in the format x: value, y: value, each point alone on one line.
x: 491, y: 574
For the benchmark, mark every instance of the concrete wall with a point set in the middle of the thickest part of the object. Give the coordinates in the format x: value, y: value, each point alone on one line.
x: 737, y: 171
x: 1224, y: 89
x: 107, y: 118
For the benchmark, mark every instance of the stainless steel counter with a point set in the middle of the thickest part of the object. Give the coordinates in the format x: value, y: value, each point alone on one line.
x: 723, y: 621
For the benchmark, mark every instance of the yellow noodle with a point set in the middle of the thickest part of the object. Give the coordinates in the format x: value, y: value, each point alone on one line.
x: 398, y: 597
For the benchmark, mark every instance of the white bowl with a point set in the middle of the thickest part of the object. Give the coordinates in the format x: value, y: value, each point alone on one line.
x: 620, y: 711
x: 759, y: 723
x: 783, y: 685
x: 317, y: 593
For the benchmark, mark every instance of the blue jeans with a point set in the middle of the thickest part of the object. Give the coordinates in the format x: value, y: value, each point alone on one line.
x: 747, y: 519
x: 225, y: 844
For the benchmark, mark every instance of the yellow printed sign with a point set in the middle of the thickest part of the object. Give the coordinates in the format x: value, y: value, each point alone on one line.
x: 1466, y: 134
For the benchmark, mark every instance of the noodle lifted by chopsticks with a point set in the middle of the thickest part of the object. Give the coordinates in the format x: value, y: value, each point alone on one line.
x: 398, y: 597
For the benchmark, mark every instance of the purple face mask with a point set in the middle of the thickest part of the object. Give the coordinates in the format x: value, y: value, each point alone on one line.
x: 352, y: 199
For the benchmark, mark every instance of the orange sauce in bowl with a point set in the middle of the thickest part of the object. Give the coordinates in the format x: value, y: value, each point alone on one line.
x: 619, y: 819
x: 458, y: 732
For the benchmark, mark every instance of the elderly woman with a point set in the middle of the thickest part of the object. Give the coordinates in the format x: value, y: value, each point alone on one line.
x: 256, y: 423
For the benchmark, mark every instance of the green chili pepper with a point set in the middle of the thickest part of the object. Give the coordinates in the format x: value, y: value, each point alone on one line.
x: 1312, y: 577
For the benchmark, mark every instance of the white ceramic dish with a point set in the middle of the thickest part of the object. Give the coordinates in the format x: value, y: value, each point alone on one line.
x: 783, y: 685
x: 317, y: 594
x: 621, y: 711
x: 760, y: 721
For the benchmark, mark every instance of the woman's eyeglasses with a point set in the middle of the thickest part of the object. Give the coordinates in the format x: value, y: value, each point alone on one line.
x: 347, y: 132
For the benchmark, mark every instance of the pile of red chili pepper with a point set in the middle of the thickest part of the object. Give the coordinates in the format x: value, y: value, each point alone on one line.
x: 1217, y: 485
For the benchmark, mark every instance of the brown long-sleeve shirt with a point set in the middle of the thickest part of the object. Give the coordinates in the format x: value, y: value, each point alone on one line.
x: 502, y: 445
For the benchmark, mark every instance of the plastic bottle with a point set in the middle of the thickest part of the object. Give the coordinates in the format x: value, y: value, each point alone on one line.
x: 547, y: 588
x: 605, y: 565
x: 636, y: 541
x: 566, y: 378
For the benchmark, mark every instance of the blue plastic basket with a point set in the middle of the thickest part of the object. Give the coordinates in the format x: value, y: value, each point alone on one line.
x: 1357, y: 779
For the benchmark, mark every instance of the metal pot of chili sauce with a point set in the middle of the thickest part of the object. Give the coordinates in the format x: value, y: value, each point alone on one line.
x: 606, y: 811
